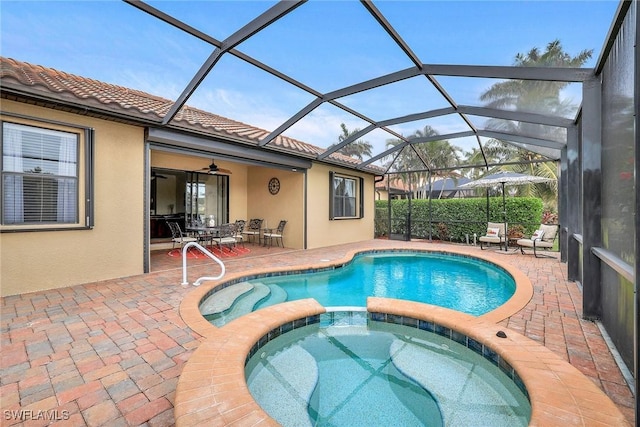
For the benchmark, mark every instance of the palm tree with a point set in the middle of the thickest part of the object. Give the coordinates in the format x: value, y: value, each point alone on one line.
x: 357, y: 149
x: 534, y: 95
x: 531, y: 96
x: 439, y: 154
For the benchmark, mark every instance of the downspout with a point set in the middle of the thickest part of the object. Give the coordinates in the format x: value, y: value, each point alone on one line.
x: 377, y: 179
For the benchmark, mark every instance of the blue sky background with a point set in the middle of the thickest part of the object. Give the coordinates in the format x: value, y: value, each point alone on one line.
x: 324, y: 44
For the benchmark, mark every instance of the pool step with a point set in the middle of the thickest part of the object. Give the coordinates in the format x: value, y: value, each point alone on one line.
x: 242, y: 305
x: 224, y: 298
x: 276, y: 296
x: 289, y: 376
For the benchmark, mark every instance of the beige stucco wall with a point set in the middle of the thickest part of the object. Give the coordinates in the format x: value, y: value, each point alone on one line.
x: 381, y: 194
x: 31, y: 261
x: 286, y: 205
x: 324, y: 232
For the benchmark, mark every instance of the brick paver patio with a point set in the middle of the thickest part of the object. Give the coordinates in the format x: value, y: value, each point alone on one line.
x: 110, y: 353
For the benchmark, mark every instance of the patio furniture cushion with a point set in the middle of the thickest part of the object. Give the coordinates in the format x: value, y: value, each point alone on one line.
x: 537, y: 240
x: 529, y: 243
x: 550, y: 232
x: 495, y: 234
x: 537, y: 235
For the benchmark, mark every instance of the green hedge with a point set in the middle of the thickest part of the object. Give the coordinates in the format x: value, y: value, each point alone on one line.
x: 453, y: 219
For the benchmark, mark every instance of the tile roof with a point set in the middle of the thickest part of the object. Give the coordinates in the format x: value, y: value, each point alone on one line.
x: 141, y: 106
x: 395, y: 182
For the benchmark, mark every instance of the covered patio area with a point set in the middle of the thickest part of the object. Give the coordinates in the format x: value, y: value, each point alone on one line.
x: 111, y: 352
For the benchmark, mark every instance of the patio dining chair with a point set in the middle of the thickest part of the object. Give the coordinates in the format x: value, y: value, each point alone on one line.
x: 240, y: 223
x: 196, y: 228
x: 543, y: 238
x: 496, y: 233
x: 225, y: 237
x: 253, y: 229
x: 178, y: 236
x: 274, y: 233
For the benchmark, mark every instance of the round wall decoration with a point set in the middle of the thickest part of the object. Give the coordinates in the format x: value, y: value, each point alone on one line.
x: 274, y: 185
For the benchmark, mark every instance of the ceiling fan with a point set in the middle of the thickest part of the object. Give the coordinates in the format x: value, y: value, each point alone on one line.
x: 213, y: 169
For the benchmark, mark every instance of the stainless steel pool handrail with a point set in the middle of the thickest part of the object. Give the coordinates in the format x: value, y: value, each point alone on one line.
x: 207, y: 253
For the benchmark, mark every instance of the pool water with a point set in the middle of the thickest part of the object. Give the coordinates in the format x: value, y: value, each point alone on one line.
x: 380, y: 374
x: 460, y: 283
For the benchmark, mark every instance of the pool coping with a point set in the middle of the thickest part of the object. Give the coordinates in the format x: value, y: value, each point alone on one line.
x: 212, y: 387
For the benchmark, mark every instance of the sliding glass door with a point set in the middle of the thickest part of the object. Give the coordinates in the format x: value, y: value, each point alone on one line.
x: 207, y: 198
x: 182, y: 196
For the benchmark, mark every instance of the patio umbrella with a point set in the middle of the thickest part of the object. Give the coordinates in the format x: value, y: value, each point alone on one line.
x: 503, y: 179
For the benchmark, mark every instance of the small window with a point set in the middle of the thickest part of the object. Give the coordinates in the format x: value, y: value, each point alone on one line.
x: 346, y: 196
x: 40, y: 175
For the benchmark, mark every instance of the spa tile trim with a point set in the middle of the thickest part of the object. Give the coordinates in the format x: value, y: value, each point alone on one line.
x: 281, y: 330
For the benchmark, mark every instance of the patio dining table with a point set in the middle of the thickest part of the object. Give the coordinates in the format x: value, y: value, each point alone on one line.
x: 204, y: 233
x: 221, y: 235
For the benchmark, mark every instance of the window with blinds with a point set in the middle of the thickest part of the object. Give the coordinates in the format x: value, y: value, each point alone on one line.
x: 344, y: 202
x: 39, y: 175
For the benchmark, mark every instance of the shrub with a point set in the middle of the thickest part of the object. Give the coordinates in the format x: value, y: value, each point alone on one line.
x: 455, y: 219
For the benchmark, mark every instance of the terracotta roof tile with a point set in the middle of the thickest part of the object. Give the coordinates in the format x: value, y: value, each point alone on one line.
x: 120, y: 97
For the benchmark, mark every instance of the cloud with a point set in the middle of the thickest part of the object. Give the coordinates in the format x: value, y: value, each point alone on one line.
x: 320, y: 127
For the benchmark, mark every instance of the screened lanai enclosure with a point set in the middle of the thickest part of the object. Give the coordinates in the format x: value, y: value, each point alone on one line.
x: 410, y: 99
x: 419, y: 91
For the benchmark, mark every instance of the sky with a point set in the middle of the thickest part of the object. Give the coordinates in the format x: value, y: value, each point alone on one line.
x: 324, y: 44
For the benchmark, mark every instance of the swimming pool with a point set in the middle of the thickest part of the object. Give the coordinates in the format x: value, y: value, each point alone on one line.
x: 462, y: 283
x: 354, y: 371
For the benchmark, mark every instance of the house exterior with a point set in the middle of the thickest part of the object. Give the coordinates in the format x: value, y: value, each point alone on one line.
x: 390, y: 188
x: 79, y: 202
x: 441, y: 188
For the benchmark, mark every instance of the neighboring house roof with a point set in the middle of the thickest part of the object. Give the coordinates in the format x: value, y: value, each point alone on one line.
x: 396, y: 184
x: 445, y: 184
x: 111, y: 101
x: 449, y: 184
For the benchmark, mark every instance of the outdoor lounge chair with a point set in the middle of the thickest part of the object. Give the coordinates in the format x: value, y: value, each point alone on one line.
x: 544, y: 237
x: 495, y: 234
